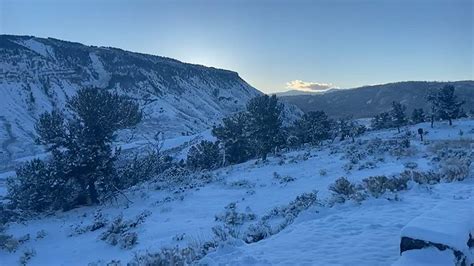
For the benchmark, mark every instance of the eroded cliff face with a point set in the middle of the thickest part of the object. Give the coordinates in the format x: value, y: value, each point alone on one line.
x: 37, y: 75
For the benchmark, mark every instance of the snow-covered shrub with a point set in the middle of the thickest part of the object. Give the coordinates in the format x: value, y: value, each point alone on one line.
x: 128, y: 240
x: 41, y: 234
x: 232, y: 222
x: 257, y: 232
x: 423, y: 178
x: 410, y: 165
x: 378, y: 185
x: 301, y: 203
x: 175, y: 175
x: 233, y: 218
x: 454, y: 160
x: 8, y: 213
x: 175, y: 256
x: 8, y: 242
x: 279, y: 218
x: 114, y: 231
x: 242, y: 183
x: 26, y: 256
x: 99, y: 222
x: 395, y: 184
x: 283, y: 179
x: 164, y: 257
x: 455, y: 169
x: 179, y: 237
x: 343, y: 189
x: 143, y: 168
x: 24, y: 239
x: 375, y: 185
x: 118, y: 232
x: 402, y: 147
x: 224, y: 233
x: 204, y: 155
x: 368, y: 165
x: 323, y: 172
x: 106, y: 263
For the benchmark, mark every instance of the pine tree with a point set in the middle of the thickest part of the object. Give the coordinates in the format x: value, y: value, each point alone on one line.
x: 399, y: 118
x: 381, y: 121
x: 204, y: 155
x: 418, y: 116
x: 234, y: 137
x: 356, y: 129
x: 265, y: 123
x: 313, y: 127
x: 445, y: 104
x: 343, y: 128
x: 432, y: 99
x: 82, y: 159
x: 349, y: 128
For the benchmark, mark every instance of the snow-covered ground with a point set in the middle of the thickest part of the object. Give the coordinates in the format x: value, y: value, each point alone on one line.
x: 351, y: 233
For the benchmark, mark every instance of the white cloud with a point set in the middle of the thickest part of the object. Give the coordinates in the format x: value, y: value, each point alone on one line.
x: 308, y: 86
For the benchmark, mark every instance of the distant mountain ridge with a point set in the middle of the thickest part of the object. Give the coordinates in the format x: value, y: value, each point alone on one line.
x: 38, y: 74
x: 367, y: 101
x: 302, y: 92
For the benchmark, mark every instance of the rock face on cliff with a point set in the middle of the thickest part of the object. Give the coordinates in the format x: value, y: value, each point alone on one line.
x: 38, y: 74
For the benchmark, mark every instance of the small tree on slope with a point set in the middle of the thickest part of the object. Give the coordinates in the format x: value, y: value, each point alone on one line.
x: 399, y: 118
x: 82, y: 160
x: 445, y: 104
x: 204, y: 155
x: 233, y: 135
x: 313, y: 127
x: 418, y: 116
x: 265, y: 123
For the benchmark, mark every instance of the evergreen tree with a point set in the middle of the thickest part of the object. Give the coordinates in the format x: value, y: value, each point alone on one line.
x: 418, y: 116
x: 397, y: 113
x: 355, y: 130
x: 349, y: 128
x: 446, y: 105
x: 264, y: 125
x: 82, y: 159
x: 344, y: 129
x: 432, y: 99
x: 381, y: 121
x: 204, y: 155
x: 313, y: 127
x: 234, y: 138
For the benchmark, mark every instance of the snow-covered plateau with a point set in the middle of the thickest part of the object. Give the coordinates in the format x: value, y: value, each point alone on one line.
x: 280, y: 211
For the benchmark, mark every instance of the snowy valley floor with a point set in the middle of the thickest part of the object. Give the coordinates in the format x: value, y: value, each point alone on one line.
x: 366, y: 233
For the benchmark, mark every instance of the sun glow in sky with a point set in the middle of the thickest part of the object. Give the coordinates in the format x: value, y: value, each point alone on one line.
x: 274, y: 45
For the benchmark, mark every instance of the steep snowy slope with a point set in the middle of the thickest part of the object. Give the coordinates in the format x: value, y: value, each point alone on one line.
x: 350, y: 233
x: 39, y: 74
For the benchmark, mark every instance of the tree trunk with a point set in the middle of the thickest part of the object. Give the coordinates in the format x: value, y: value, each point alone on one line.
x: 398, y: 128
x: 450, y: 122
x: 93, y: 195
x: 432, y: 121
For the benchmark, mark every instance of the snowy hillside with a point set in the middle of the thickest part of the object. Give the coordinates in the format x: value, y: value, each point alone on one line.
x: 38, y: 74
x: 368, y: 101
x: 278, y: 212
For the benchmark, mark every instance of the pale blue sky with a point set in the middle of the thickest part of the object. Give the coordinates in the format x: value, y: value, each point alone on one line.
x: 346, y: 43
